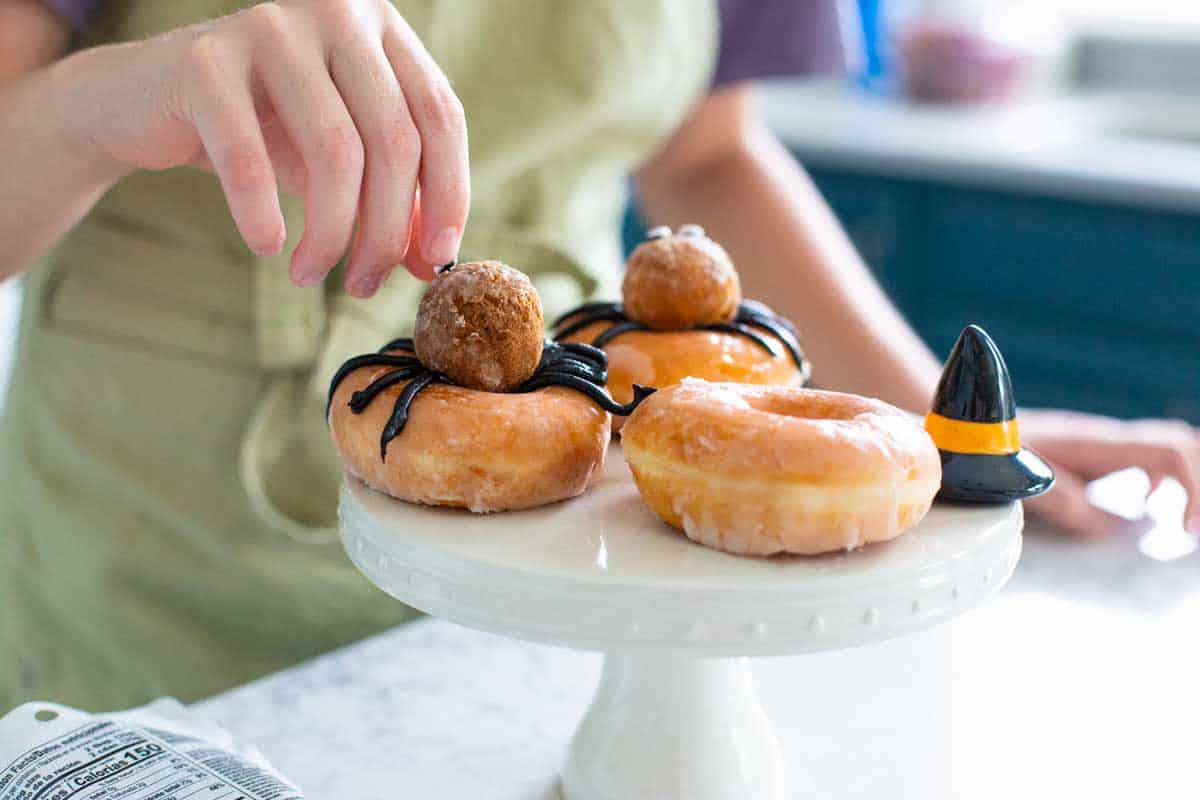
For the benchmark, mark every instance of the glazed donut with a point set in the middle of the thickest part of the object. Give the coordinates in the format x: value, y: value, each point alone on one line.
x: 758, y: 470
x: 682, y: 315
x: 465, y: 448
x: 664, y: 358
x: 479, y: 411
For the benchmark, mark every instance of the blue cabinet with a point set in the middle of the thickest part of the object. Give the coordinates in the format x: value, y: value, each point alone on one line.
x: 1096, y: 307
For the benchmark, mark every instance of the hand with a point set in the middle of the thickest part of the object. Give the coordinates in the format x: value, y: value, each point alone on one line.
x: 1083, y: 447
x: 335, y: 98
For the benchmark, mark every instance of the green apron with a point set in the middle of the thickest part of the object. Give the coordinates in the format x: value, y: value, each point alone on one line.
x: 168, y: 485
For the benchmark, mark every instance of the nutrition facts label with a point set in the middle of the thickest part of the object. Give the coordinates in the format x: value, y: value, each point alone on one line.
x: 104, y: 760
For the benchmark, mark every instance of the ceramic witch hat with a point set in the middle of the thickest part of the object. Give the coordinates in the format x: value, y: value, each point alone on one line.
x: 973, y: 422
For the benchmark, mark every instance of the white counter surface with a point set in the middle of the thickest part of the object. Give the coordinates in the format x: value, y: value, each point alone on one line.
x: 1125, y: 149
x: 1078, y: 681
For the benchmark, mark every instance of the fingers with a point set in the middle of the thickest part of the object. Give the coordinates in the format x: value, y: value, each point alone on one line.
x: 317, y: 121
x: 1091, y: 447
x: 1181, y: 458
x: 441, y: 123
x: 343, y: 99
x: 1170, y: 448
x: 416, y: 264
x: 1067, y: 508
x: 369, y: 88
x: 226, y: 121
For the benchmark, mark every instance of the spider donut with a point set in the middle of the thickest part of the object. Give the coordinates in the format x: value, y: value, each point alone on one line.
x: 475, y: 411
x: 682, y: 315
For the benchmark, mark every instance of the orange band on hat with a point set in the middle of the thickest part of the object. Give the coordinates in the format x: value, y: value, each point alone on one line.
x: 959, y: 436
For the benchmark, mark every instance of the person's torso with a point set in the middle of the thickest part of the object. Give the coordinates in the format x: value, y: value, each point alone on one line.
x: 170, y: 486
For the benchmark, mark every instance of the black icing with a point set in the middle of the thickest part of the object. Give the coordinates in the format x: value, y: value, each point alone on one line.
x: 751, y: 318
x: 581, y: 367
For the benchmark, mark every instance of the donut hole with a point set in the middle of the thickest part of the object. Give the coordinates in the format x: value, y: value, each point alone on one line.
x: 680, y: 282
x: 481, y: 325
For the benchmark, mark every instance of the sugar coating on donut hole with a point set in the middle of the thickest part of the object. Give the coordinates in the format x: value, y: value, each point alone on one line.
x: 685, y: 280
x: 480, y: 324
x: 759, y: 470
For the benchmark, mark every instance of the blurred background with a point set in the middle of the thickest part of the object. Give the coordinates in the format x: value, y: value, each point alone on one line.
x: 1033, y: 167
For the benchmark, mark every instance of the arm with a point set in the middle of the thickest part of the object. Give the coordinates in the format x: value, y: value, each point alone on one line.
x: 31, y: 35
x: 726, y: 171
x: 50, y: 179
x: 337, y: 99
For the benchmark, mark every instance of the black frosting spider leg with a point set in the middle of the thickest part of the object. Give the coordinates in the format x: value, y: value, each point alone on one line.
x: 741, y: 330
x: 583, y: 368
x: 589, y: 363
x: 586, y: 315
x: 590, y: 390
x: 362, y: 398
x: 589, y: 372
x: 368, y: 360
x: 399, y: 417
x: 601, y: 306
x: 749, y: 309
x: 404, y: 343
x: 759, y: 316
x: 616, y: 330
x: 585, y: 351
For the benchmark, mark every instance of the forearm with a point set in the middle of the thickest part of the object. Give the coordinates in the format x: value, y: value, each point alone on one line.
x: 792, y: 253
x: 52, y: 174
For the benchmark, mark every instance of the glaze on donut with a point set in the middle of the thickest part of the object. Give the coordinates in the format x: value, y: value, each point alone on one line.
x: 479, y: 411
x: 759, y: 470
x: 682, y: 315
x: 758, y: 347
x: 465, y: 448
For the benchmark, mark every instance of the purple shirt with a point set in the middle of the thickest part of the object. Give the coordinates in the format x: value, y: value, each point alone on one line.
x: 75, y: 12
x: 759, y: 38
x: 778, y: 39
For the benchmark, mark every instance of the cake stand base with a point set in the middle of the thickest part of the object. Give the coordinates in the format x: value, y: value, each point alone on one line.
x: 672, y: 727
x: 676, y: 716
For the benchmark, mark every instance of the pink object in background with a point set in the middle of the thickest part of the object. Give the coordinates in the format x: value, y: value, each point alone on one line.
x: 945, y: 62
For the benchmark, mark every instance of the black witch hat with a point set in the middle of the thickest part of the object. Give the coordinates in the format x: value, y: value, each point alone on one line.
x: 973, y: 422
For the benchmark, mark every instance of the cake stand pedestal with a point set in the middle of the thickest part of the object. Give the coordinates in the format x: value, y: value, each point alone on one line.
x: 676, y: 715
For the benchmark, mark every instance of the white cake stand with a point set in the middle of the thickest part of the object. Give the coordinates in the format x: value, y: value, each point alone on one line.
x: 676, y: 716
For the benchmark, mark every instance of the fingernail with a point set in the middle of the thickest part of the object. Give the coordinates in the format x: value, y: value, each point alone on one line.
x: 307, y: 279
x: 443, y: 248
x: 273, y: 249
x: 367, y: 286
x: 303, y: 274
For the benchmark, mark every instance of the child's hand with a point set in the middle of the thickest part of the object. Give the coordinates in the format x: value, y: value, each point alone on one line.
x: 335, y: 98
x: 1083, y: 447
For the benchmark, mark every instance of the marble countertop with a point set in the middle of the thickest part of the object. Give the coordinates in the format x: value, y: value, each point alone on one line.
x: 1077, y: 681
x: 1129, y: 149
